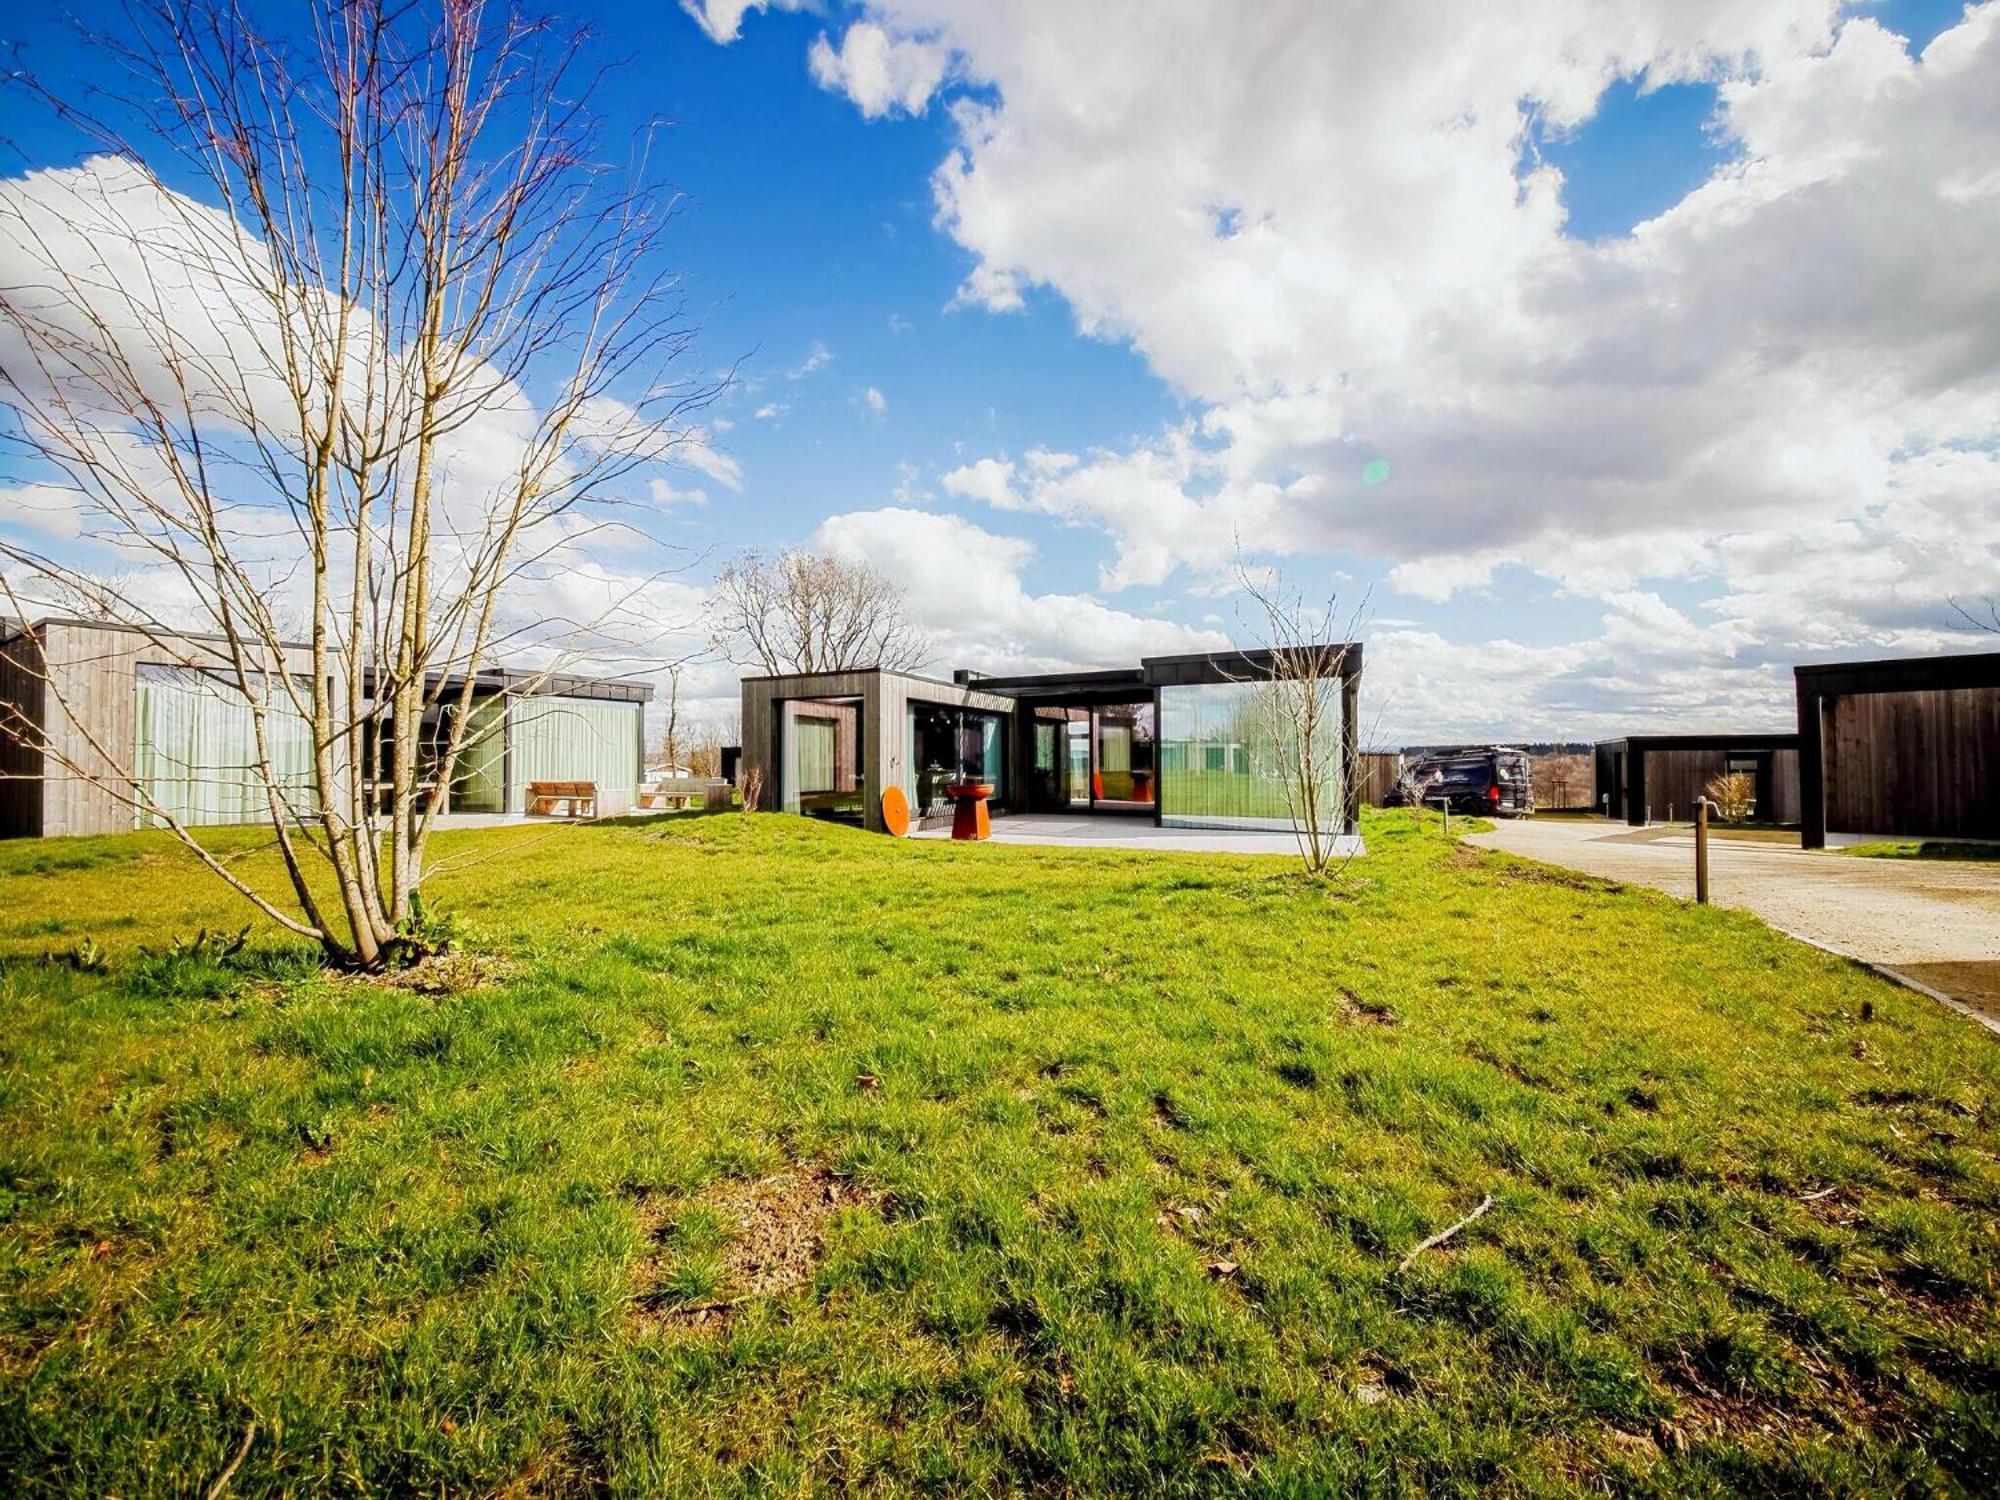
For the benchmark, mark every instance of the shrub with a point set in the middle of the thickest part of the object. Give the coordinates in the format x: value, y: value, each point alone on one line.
x: 1734, y: 796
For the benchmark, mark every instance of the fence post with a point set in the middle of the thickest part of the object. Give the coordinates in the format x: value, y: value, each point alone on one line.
x: 1701, y: 850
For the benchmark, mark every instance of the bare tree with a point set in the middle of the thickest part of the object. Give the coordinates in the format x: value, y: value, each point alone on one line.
x: 1303, y: 712
x: 381, y: 364
x: 1983, y: 617
x: 702, y: 741
x: 805, y: 612
x: 670, y: 731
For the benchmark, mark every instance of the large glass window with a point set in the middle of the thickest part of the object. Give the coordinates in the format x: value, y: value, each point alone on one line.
x: 479, y: 783
x: 1123, y: 780
x: 947, y: 745
x: 577, y: 739
x: 196, y: 748
x: 1230, y: 756
x: 822, y: 760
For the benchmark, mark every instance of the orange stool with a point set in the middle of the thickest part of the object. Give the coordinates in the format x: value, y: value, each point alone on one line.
x: 969, y: 818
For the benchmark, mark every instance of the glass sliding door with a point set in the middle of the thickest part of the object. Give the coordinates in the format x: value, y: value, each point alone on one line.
x: 821, y: 766
x: 949, y: 745
x: 1232, y: 758
x: 1124, y: 774
x: 1078, y: 734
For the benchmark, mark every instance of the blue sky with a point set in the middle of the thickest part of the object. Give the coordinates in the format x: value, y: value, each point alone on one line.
x: 1530, y: 531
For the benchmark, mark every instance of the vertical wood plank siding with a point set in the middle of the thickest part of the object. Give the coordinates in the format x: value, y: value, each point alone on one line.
x: 1921, y: 763
x: 1674, y: 778
x: 1377, y: 775
x: 88, y: 710
x: 1785, y: 786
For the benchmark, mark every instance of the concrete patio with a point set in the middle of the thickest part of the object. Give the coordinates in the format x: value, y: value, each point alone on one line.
x: 1101, y: 831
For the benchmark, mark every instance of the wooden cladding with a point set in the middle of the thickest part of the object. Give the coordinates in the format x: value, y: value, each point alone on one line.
x: 1918, y: 763
x: 1903, y: 748
x: 1380, y: 771
x: 1660, y: 776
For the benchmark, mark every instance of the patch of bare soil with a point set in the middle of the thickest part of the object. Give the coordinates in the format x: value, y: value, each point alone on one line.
x: 1359, y: 1011
x: 1977, y: 983
x: 1555, y: 875
x: 454, y: 973
x: 777, y: 1232
x: 1464, y: 857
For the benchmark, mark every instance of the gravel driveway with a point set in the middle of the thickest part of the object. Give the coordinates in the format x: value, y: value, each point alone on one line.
x: 1934, y: 921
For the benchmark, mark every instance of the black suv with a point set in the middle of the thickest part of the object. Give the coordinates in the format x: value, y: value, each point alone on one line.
x: 1490, y: 779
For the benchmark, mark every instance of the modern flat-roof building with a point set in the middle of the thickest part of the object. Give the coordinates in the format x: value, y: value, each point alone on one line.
x: 1907, y: 747
x: 86, y: 704
x: 1184, y: 741
x: 1657, y: 777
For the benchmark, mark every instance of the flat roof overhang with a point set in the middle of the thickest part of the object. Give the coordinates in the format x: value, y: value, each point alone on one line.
x: 1761, y: 740
x: 491, y: 680
x: 1195, y: 669
x: 1899, y: 674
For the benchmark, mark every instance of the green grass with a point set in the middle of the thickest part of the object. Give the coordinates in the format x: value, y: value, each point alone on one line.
x: 1743, y: 1236
x: 1947, y: 849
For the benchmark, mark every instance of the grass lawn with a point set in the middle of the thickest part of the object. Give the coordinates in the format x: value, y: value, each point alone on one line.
x: 1045, y: 1169
x: 1951, y: 849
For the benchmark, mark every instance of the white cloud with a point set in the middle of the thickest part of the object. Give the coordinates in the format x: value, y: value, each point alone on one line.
x: 163, y: 290
x: 696, y: 451
x: 817, y: 358
x: 990, y: 480
x: 880, y: 73
x: 1331, y: 235
x: 769, y: 411
x: 49, y: 509
x: 664, y: 493
x: 877, y: 402
x: 723, y: 19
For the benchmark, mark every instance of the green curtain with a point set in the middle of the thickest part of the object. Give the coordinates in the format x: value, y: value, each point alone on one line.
x: 577, y: 739
x: 816, y: 741
x: 481, y: 781
x: 195, y: 752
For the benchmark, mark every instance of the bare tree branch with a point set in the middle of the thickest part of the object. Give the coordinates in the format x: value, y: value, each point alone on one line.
x: 342, y: 398
x: 803, y: 612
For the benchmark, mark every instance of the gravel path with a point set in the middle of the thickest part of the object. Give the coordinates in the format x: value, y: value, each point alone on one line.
x: 1936, y: 921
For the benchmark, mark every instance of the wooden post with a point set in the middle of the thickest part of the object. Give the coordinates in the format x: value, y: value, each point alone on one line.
x: 1701, y: 850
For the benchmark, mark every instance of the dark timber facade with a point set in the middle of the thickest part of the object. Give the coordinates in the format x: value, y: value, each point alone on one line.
x: 1659, y: 776
x: 1900, y: 748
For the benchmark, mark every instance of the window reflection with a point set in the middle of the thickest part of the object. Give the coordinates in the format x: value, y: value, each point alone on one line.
x: 1225, y: 762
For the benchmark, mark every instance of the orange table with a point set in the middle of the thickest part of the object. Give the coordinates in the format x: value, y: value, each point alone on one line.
x: 969, y: 819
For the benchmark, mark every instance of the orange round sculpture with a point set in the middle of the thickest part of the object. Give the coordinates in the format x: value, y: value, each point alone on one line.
x: 895, y: 812
x: 968, y: 815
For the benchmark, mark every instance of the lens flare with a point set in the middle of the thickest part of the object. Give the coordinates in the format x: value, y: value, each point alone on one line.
x: 1376, y: 471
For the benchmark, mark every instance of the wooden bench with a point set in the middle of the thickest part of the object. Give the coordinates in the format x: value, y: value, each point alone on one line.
x: 579, y: 797
x: 681, y: 792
